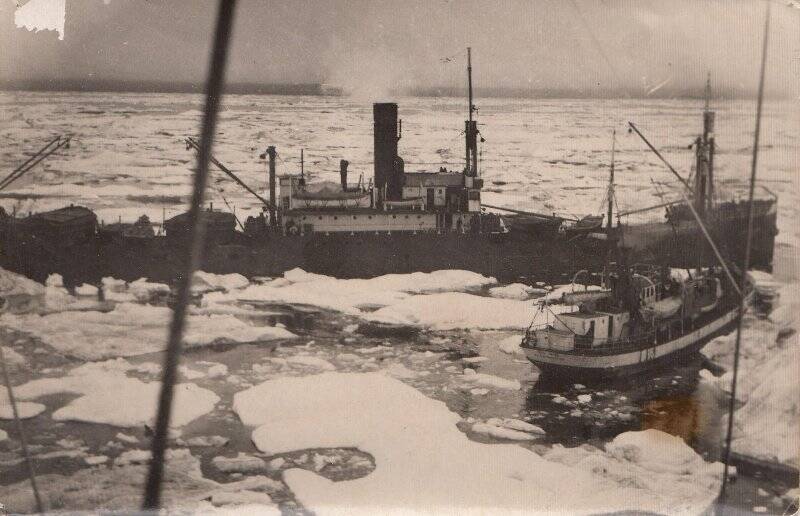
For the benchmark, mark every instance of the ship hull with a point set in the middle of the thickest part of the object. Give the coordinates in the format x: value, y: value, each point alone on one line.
x: 576, y: 367
x: 509, y: 257
x: 682, y: 244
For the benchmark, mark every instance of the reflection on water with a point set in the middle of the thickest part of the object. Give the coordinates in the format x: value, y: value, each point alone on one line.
x: 671, y: 400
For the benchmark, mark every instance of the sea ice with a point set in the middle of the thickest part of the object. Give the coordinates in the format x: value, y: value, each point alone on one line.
x: 206, y: 281
x: 516, y: 424
x: 488, y: 380
x: 350, y: 295
x: 127, y: 438
x: 242, y: 463
x: 309, y: 361
x: 217, y: 370
x: 25, y: 409
x: 557, y: 294
x: 119, y: 489
x: 94, y: 460
x: 499, y: 432
x: 132, y: 329
x: 456, y: 310
x: 109, y: 396
x: 511, y: 345
x: 517, y: 291
x: 143, y: 290
x: 425, y: 464
x: 767, y: 426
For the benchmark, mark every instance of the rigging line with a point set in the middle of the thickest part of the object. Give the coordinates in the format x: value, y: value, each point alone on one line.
x: 663, y: 160
x: 34, y: 156
x: 31, y: 164
x: 233, y: 212
x: 214, y: 89
x: 191, y: 141
x: 702, y: 227
x: 21, y: 432
x: 746, y: 263
x: 596, y: 42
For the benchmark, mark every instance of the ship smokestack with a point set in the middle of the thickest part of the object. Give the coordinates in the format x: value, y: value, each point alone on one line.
x: 343, y: 172
x: 273, y: 220
x: 388, y: 175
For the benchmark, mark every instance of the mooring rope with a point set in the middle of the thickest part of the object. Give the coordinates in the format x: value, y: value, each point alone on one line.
x: 214, y: 88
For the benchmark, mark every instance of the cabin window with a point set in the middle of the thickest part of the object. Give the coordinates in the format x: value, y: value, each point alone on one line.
x: 406, y: 216
x: 369, y: 217
x: 394, y: 216
x: 354, y: 217
x: 419, y: 216
x: 335, y: 218
x: 320, y: 218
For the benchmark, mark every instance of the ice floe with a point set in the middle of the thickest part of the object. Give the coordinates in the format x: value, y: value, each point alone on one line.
x: 767, y: 426
x: 132, y: 329
x: 119, y: 488
x: 350, y: 296
x: 206, y: 282
x: 455, y: 310
x: 511, y: 345
x: 658, y: 465
x: 109, y: 396
x: 488, y: 380
x: 425, y: 464
x: 518, y: 291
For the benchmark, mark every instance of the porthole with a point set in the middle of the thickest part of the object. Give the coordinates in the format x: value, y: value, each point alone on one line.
x: 335, y: 218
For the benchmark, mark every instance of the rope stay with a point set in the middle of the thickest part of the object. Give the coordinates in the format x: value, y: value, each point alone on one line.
x: 191, y: 142
x: 746, y: 262
x: 698, y: 219
x: 52, y: 146
x: 193, y: 253
x: 21, y: 432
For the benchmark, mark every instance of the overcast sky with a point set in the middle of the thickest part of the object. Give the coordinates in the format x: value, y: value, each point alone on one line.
x: 375, y: 45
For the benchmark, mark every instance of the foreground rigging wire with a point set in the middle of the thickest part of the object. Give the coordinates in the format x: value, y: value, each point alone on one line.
x: 746, y: 263
x: 214, y: 87
x: 21, y: 432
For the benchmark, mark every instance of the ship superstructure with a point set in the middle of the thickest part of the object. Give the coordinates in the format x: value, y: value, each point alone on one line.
x: 396, y: 201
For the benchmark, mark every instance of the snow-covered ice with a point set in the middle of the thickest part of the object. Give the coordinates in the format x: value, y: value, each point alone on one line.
x: 767, y: 426
x: 454, y: 310
x: 488, y: 380
x: 132, y: 329
x: 109, y: 396
x: 518, y: 291
x: 425, y: 464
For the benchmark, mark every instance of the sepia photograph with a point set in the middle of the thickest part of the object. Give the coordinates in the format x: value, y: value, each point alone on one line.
x: 431, y: 257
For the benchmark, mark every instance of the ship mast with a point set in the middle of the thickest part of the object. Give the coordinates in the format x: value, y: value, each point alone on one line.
x: 611, y: 183
x: 471, y: 126
x: 708, y: 140
x: 704, y: 155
